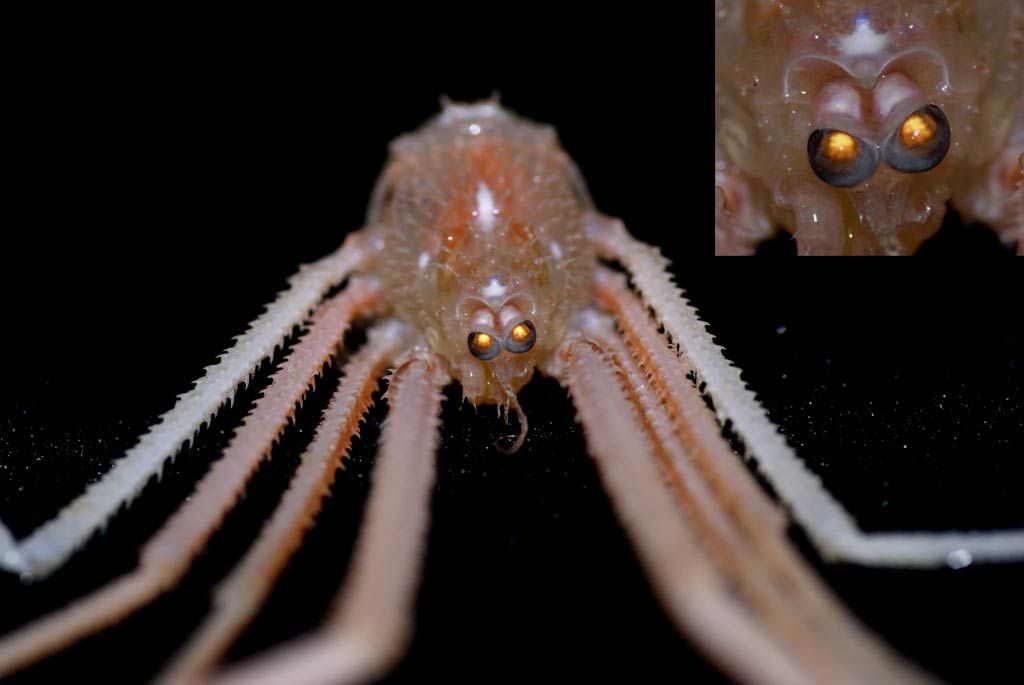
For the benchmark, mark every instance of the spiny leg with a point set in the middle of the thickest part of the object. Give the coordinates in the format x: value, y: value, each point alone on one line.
x: 832, y: 530
x: 49, y: 546
x: 754, y: 515
x: 238, y: 598
x: 372, y: 620
x: 740, y: 495
x: 691, y: 592
x: 757, y: 557
x: 739, y: 567
x: 166, y: 557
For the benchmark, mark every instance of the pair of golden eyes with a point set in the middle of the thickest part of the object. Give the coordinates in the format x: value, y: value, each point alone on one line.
x: 918, y: 144
x: 485, y: 346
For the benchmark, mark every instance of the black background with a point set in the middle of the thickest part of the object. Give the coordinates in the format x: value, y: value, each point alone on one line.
x: 167, y: 181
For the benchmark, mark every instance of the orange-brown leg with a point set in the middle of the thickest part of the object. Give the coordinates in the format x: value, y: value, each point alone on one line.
x: 371, y: 624
x: 710, y: 522
x: 238, y: 598
x: 168, y: 555
x: 50, y: 545
x: 738, y: 524
x: 828, y: 525
x: 686, y: 582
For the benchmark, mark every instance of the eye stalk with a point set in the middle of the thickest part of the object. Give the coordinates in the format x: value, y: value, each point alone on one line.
x: 484, y: 346
x: 522, y: 337
x: 841, y: 159
x: 920, y: 142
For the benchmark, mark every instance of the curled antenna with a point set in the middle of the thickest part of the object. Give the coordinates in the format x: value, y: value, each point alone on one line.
x: 524, y: 426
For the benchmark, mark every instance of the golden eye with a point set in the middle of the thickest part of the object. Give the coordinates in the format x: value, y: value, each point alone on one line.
x: 840, y: 147
x: 920, y: 142
x: 483, y: 346
x: 917, y: 130
x: 522, y: 337
x: 841, y: 159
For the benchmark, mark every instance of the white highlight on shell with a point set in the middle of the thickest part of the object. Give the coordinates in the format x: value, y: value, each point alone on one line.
x: 485, y: 208
x: 493, y: 288
x: 423, y: 261
x: 556, y: 250
x: 482, y: 110
x: 863, y: 41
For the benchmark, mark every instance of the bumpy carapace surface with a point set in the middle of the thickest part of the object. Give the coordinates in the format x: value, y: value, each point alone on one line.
x: 851, y: 124
x: 481, y: 261
x: 483, y: 219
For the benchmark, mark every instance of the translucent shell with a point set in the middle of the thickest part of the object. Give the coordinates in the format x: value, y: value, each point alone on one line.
x: 483, y: 212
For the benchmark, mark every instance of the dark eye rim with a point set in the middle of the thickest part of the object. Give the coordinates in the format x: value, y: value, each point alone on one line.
x: 900, y: 159
x: 513, y: 346
x: 483, y: 355
x: 844, y: 176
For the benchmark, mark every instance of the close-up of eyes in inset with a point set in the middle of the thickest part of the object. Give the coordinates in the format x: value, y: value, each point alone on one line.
x: 869, y: 128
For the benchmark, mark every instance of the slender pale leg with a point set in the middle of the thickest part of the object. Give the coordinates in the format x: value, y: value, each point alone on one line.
x: 167, y: 556
x: 689, y: 588
x: 7, y: 543
x: 372, y: 621
x: 832, y: 530
x: 49, y: 546
x: 757, y: 556
x: 238, y: 598
x: 711, y: 523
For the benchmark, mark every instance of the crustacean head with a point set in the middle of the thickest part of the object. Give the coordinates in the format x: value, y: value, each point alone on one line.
x: 483, y: 216
x: 861, y: 113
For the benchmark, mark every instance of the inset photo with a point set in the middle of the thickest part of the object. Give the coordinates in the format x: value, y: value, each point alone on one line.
x: 869, y: 128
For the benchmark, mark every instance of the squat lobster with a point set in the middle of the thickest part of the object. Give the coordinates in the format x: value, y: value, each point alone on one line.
x: 480, y: 264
